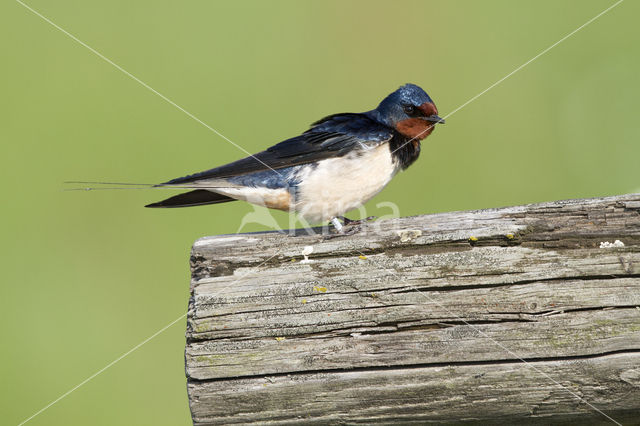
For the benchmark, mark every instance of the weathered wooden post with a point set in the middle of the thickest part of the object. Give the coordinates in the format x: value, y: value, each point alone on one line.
x: 522, y: 314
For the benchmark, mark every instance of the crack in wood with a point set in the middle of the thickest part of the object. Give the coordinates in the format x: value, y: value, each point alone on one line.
x: 516, y: 362
x: 426, y: 289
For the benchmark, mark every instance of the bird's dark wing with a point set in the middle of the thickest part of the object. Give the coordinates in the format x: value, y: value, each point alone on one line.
x: 333, y: 136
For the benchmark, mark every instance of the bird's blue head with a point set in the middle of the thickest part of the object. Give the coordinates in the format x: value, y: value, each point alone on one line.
x: 410, y: 111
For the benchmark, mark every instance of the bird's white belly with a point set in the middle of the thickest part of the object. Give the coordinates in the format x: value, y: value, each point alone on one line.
x: 338, y: 185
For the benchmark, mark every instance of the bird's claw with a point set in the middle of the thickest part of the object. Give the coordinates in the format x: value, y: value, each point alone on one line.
x: 349, y: 222
x: 347, y: 227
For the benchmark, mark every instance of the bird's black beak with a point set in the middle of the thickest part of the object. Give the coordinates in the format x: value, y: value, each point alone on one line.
x: 435, y: 119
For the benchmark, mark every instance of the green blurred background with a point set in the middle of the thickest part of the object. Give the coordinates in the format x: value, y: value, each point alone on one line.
x: 88, y: 275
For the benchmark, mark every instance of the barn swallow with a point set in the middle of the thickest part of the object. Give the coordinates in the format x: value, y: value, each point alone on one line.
x: 337, y: 165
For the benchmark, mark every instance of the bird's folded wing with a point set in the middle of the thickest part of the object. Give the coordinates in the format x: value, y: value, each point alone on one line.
x: 333, y: 136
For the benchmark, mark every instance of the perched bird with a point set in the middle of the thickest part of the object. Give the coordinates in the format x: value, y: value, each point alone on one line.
x: 340, y: 163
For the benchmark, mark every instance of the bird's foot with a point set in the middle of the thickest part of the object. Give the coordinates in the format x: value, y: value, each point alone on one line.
x: 348, y: 226
x: 348, y: 222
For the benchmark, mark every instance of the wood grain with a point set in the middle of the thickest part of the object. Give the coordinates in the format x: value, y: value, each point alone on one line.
x: 500, y: 315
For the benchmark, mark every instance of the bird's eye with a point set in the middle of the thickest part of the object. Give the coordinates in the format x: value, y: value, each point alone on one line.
x: 409, y: 109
